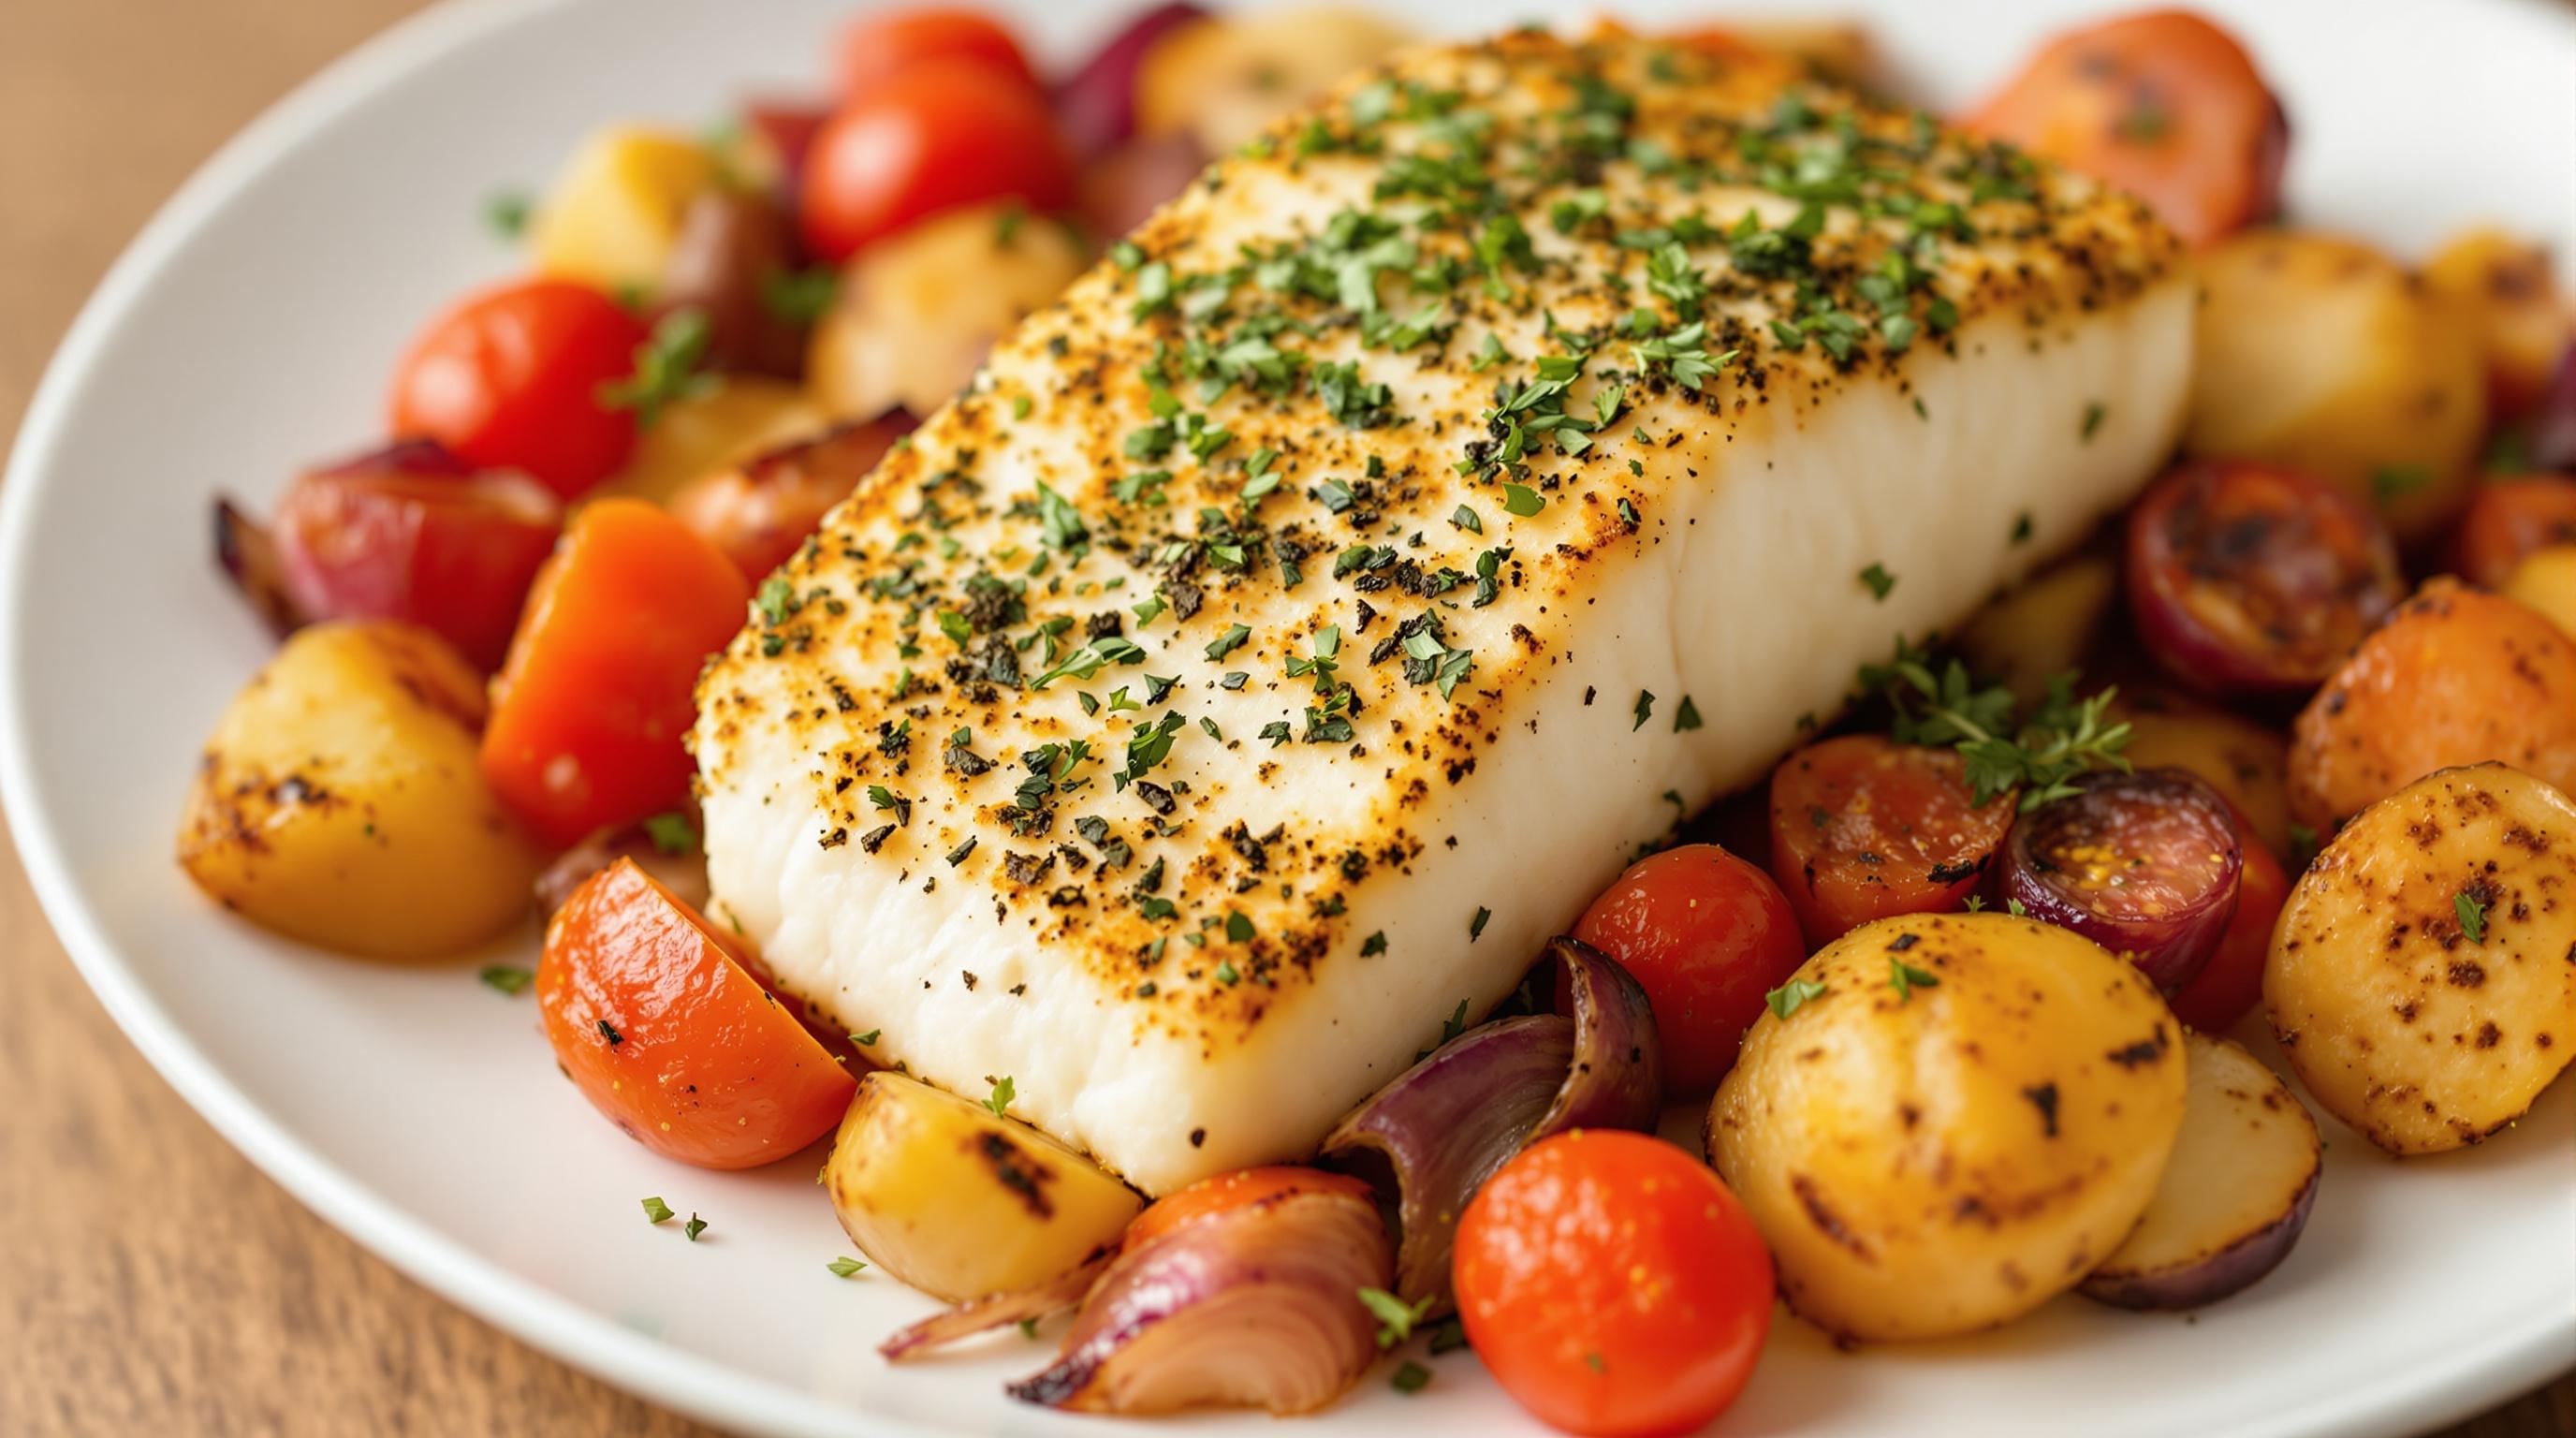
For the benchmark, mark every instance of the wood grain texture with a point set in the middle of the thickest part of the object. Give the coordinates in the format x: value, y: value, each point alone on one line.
x: 150, y: 1280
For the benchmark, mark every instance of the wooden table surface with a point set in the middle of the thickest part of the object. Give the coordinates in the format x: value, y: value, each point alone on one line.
x: 150, y: 1280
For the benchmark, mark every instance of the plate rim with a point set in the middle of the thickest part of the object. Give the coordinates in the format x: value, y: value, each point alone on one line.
x: 2401, y: 1402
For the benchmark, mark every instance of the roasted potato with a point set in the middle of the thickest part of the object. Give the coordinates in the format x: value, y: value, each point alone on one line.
x: 1221, y: 80
x: 2043, y: 627
x: 2503, y: 287
x: 2422, y: 978
x: 2322, y: 354
x: 961, y: 1203
x: 614, y: 214
x: 2235, y: 1194
x: 1962, y: 1115
x: 2244, y: 761
x: 2547, y: 582
x: 740, y: 418
x: 339, y: 801
x: 2455, y: 676
x: 917, y: 312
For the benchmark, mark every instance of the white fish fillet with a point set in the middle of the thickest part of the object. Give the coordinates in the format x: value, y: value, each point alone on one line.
x: 1203, y: 970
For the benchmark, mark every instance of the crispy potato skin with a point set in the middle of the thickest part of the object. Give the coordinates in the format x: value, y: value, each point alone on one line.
x: 960, y: 1204
x: 339, y: 801
x: 1947, y: 1159
x: 2397, y: 1021
x: 2456, y: 676
x: 2320, y: 353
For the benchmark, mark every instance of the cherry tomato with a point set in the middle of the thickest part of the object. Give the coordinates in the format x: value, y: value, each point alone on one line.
x: 408, y: 534
x: 1228, y: 1191
x: 2232, y: 981
x: 1863, y: 828
x: 591, y: 711
x: 1613, y: 1285
x: 510, y: 379
x: 760, y: 513
x: 2164, y: 105
x: 876, y: 48
x: 944, y: 135
x: 673, y: 1040
x: 2145, y: 864
x: 2509, y: 519
x: 1706, y: 935
x: 2250, y: 578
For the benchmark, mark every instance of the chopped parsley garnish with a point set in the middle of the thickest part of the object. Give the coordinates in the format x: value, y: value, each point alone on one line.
x: 609, y: 1032
x: 2094, y: 414
x: 844, y: 1267
x: 507, y: 213
x: 1228, y: 642
x: 672, y: 833
x: 1787, y: 999
x: 666, y: 368
x: 2041, y: 755
x: 1880, y: 582
x: 1476, y: 925
x: 1466, y: 519
x: 1645, y: 709
x: 868, y: 1039
x: 1226, y: 973
x: 2388, y: 482
x: 656, y: 1211
x: 1905, y: 978
x: 2014, y: 907
x: 1522, y: 500
x: 2472, y: 913
x: 799, y: 297
x: 1687, y: 717
x: 1394, y: 1316
x: 508, y: 978
x: 1373, y: 945
x: 1410, y: 1377
x: 694, y: 1227
x: 1003, y: 1093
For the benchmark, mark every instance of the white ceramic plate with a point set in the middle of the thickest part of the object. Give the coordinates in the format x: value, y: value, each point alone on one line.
x: 248, y: 331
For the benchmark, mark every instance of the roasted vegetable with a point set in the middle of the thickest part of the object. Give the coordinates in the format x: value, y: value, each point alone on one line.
x: 338, y: 801
x: 760, y: 511
x: 2042, y: 628
x: 2321, y: 354
x: 2245, y: 762
x: 731, y: 421
x: 2456, y: 676
x: 2503, y: 289
x: 2421, y: 979
x: 1862, y: 827
x: 1945, y: 1119
x: 2144, y: 864
x: 2509, y: 519
x: 614, y: 214
x: 1221, y: 80
x: 733, y: 263
x: 960, y: 1201
x: 2235, y: 1194
x: 2547, y: 582
x: 1096, y: 105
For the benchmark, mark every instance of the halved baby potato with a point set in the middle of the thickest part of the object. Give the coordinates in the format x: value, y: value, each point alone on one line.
x: 2042, y: 627
x: 1221, y: 81
x: 2547, y: 582
x: 740, y: 417
x: 614, y: 214
x: 2423, y: 975
x: 2235, y: 1194
x: 961, y: 1203
x: 339, y: 801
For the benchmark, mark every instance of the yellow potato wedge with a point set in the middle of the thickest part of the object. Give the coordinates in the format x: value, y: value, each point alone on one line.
x: 614, y: 214
x: 2546, y: 581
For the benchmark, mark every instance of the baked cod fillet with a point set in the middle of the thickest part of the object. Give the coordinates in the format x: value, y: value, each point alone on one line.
x: 1301, y: 620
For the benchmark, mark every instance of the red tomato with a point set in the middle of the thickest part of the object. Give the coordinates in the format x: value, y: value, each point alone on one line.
x: 877, y: 48
x: 510, y: 379
x: 591, y: 710
x: 1613, y: 1285
x: 760, y: 513
x: 2232, y: 981
x: 1707, y: 935
x: 1228, y: 1191
x: 670, y: 1038
x: 941, y: 136
x: 2164, y: 105
x: 390, y: 538
x: 1863, y: 828
x: 2507, y: 520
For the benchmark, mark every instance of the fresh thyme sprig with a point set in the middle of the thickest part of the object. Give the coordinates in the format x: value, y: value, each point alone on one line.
x: 2041, y: 755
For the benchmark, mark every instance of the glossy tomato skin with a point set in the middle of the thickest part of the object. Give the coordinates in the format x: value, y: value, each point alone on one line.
x: 510, y: 379
x: 1865, y: 828
x: 1613, y: 1285
x: 879, y: 47
x: 1706, y: 935
x: 2231, y: 983
x: 414, y: 536
x: 673, y: 1040
x: 941, y: 136
x: 760, y: 513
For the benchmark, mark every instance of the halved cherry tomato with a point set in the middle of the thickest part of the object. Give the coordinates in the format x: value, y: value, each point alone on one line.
x: 2232, y: 981
x: 1863, y: 828
x: 670, y: 1038
x: 2146, y: 864
x: 591, y: 708
x: 1613, y: 1285
x: 876, y: 48
x: 760, y: 512
x: 510, y: 379
x: 1229, y: 1191
x: 2248, y: 577
x: 941, y: 136
x: 2164, y: 105
x: 410, y: 533
x: 1706, y: 935
x: 2507, y: 521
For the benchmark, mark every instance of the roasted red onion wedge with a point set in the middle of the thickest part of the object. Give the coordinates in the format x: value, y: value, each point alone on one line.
x: 2144, y: 864
x: 1000, y: 1310
x: 2551, y: 443
x: 1096, y: 108
x: 1446, y: 1124
x: 2251, y: 578
x: 1252, y: 1306
x: 2234, y: 1195
x: 250, y: 559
